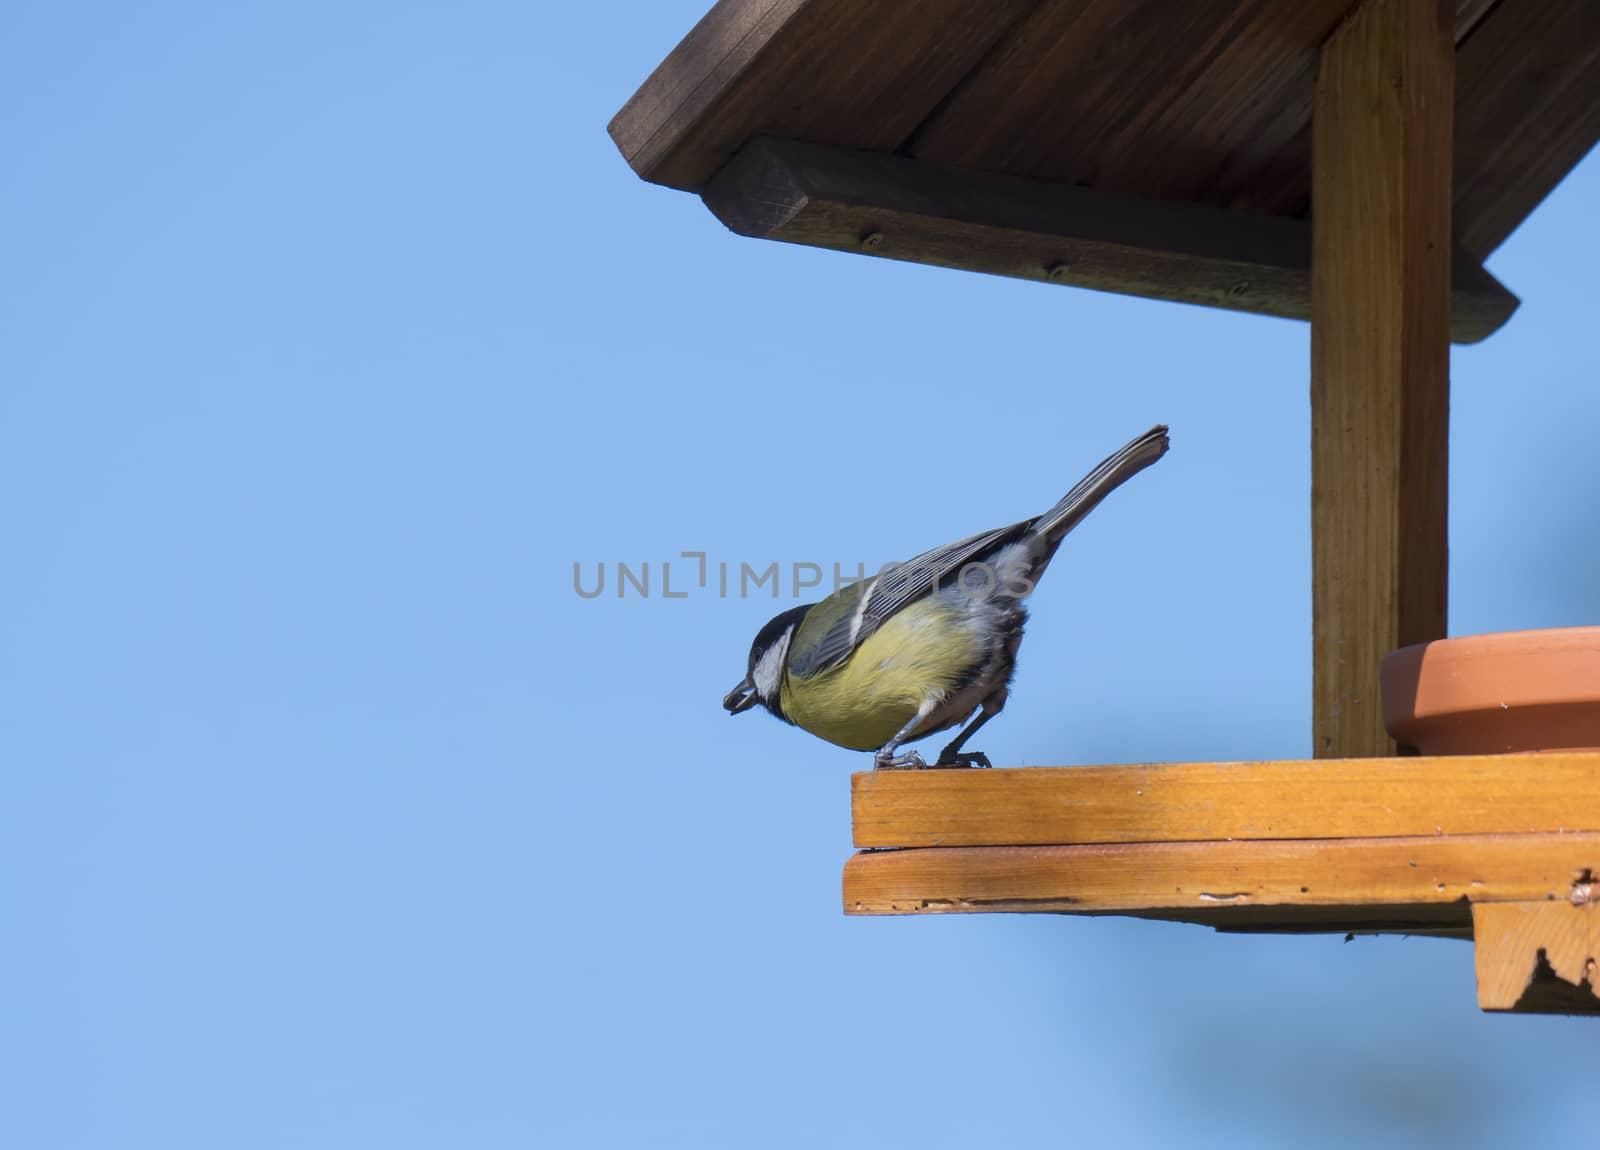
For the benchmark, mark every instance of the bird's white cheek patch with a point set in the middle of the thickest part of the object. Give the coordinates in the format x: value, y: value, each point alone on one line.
x: 769, y: 668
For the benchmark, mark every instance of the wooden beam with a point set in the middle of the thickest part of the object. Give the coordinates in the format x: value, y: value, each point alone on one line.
x: 1192, y: 802
x: 1539, y: 957
x: 852, y: 73
x: 1334, y: 884
x: 1380, y: 389
x: 899, y: 208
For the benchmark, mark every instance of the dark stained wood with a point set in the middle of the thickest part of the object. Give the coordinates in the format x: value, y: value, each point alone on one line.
x: 1145, y: 97
x: 1206, y: 101
x: 1380, y: 363
x: 1469, y: 14
x: 907, y: 209
x: 839, y: 71
x: 1442, y: 920
x: 1282, y: 185
x: 1528, y: 109
x: 1194, y: 802
x: 1333, y: 884
x: 1539, y: 957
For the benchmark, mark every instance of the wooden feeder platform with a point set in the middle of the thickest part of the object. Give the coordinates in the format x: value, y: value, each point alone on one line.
x: 1501, y: 848
x: 1350, y: 162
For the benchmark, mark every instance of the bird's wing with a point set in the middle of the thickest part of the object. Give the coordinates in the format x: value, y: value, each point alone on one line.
x: 892, y: 590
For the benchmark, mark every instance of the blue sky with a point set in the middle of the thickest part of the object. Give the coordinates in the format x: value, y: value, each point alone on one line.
x: 336, y: 334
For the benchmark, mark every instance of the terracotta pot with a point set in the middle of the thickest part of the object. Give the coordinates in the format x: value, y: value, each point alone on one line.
x: 1487, y: 694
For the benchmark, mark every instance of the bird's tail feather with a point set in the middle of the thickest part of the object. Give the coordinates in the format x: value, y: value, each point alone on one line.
x: 1116, y: 470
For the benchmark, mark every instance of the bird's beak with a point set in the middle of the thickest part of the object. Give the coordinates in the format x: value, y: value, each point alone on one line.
x: 742, y: 697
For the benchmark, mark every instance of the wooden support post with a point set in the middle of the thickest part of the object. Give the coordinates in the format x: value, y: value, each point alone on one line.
x: 1539, y: 957
x: 1380, y: 400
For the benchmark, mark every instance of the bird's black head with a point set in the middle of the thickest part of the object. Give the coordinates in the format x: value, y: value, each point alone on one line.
x: 764, y: 675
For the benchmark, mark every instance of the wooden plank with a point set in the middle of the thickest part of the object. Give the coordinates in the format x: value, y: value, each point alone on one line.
x: 1193, y: 802
x: 1281, y: 185
x: 1539, y: 957
x: 1207, y: 101
x: 1380, y: 387
x: 905, y: 209
x: 1142, y: 97
x: 1330, y: 884
x: 840, y: 71
x: 1528, y: 109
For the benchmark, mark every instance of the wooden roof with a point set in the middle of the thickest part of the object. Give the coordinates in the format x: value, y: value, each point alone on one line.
x: 1207, y: 102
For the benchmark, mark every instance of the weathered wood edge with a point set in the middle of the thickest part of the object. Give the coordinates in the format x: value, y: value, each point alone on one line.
x: 861, y: 75
x: 1539, y: 957
x: 905, y: 209
x: 1336, y: 884
x: 685, y: 86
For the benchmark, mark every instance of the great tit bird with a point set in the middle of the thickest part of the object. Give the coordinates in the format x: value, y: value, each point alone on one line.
x: 926, y: 643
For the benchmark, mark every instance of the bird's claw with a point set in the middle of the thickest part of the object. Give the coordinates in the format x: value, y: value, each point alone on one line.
x: 965, y: 759
x: 910, y: 761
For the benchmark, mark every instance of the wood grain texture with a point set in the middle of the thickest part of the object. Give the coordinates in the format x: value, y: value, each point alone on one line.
x: 1528, y: 109
x: 1469, y: 14
x: 838, y: 71
x: 1332, y: 884
x: 900, y: 208
x: 1380, y: 390
x: 1284, y: 186
x: 1207, y: 102
x: 1192, y: 802
x: 1144, y: 97
x: 1539, y: 957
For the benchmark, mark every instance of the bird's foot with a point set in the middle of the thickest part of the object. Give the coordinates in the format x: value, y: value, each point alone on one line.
x: 965, y: 759
x: 910, y: 761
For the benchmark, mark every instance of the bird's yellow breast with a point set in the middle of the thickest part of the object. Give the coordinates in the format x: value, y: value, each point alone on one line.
x: 920, y: 652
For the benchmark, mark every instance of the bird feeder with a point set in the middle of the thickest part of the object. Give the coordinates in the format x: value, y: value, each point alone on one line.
x: 1349, y: 163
